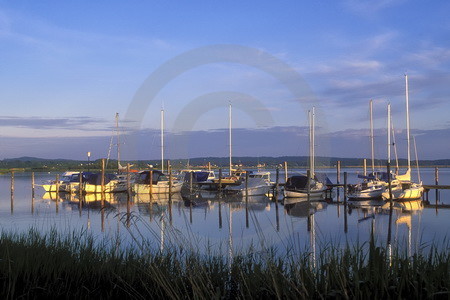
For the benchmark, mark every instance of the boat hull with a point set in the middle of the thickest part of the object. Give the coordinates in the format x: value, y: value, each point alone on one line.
x: 253, y: 191
x: 159, y: 188
x: 110, y: 187
x: 371, y: 194
x: 314, y: 195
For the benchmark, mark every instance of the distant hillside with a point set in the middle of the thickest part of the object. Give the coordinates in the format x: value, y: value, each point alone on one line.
x: 34, y: 163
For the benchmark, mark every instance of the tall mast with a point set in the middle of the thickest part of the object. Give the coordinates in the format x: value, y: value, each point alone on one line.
x: 407, y: 123
x: 395, y: 146
x: 371, y: 136
x: 229, y: 132
x: 118, y: 142
x: 313, y: 142
x: 417, y: 160
x: 162, y: 140
x: 309, y: 135
x: 389, y: 133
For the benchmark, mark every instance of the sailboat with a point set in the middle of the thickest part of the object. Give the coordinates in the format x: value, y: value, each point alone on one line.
x: 159, y: 183
x: 409, y: 190
x: 372, y: 187
x: 300, y: 186
x: 234, y: 176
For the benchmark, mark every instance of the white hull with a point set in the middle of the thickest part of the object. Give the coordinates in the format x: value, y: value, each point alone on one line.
x: 367, y: 194
x: 412, y: 193
x: 253, y: 191
x: 314, y: 195
x: 161, y: 187
x: 111, y: 187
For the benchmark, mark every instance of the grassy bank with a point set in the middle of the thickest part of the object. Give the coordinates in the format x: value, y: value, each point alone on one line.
x: 33, y: 265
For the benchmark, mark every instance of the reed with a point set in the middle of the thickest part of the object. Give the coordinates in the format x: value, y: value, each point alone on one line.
x: 51, y: 265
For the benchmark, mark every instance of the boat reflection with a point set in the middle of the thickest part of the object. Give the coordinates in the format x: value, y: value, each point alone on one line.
x: 366, y: 203
x: 159, y: 198
x: 406, y: 206
x: 301, y: 207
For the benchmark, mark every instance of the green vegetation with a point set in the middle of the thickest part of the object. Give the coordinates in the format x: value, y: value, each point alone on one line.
x: 37, y: 164
x: 34, y: 265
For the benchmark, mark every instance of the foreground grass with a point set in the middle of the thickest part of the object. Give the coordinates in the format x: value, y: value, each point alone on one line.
x: 36, y: 266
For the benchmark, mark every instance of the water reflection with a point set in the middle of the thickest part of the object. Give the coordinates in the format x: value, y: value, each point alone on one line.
x: 215, y: 218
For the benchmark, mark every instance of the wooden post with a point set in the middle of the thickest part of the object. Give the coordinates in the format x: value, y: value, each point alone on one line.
x: 220, y: 214
x: 365, y: 167
x: 57, y: 193
x: 150, y: 187
x: 170, y: 181
x: 190, y: 210
x: 128, y: 182
x: 32, y: 185
x: 246, y: 185
x: 285, y: 172
x: 277, y: 217
x: 436, y: 181
x: 246, y: 200
x: 345, y: 188
x: 103, y: 176
x: 308, y: 184
x: 220, y: 180
x: 277, y: 179
x: 80, y: 192
x: 388, y: 169
x: 190, y: 182
x: 57, y: 188
x: 338, y: 172
x: 12, y: 192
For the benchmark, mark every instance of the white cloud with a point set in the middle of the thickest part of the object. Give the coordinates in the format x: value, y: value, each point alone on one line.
x: 368, y: 7
x: 431, y: 57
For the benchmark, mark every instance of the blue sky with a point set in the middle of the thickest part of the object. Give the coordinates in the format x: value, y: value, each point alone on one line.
x: 68, y: 67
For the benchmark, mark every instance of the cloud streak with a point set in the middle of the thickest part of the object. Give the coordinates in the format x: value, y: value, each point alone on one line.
x: 75, y: 123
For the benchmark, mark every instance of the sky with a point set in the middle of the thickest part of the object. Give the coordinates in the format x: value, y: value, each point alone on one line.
x: 67, y: 68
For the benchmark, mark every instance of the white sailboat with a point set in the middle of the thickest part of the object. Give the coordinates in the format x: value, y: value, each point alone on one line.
x: 234, y: 177
x: 160, y: 183
x: 372, y: 187
x: 409, y: 190
x: 300, y: 186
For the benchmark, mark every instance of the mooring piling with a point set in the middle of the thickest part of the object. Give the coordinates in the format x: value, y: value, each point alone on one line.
x: 285, y: 172
x: 220, y: 181
x: 246, y: 200
x: 12, y: 192
x: 436, y: 182
x: 277, y: 182
x: 308, y: 185
x: 345, y: 188
x: 32, y: 185
x: 170, y: 182
x: 150, y: 187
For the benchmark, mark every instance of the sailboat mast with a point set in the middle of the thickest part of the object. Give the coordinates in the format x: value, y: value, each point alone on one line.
x: 118, y: 142
x: 371, y: 136
x: 407, y: 123
x: 162, y: 140
x: 312, y: 145
x: 395, y: 146
x: 229, y: 141
x: 417, y: 159
x: 389, y: 133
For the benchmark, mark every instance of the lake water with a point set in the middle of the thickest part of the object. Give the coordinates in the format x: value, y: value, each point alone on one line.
x: 218, y: 223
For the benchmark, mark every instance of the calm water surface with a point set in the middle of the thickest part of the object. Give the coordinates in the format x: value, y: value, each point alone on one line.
x: 211, y: 222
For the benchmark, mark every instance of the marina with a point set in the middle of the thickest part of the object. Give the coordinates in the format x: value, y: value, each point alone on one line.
x: 208, y: 215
